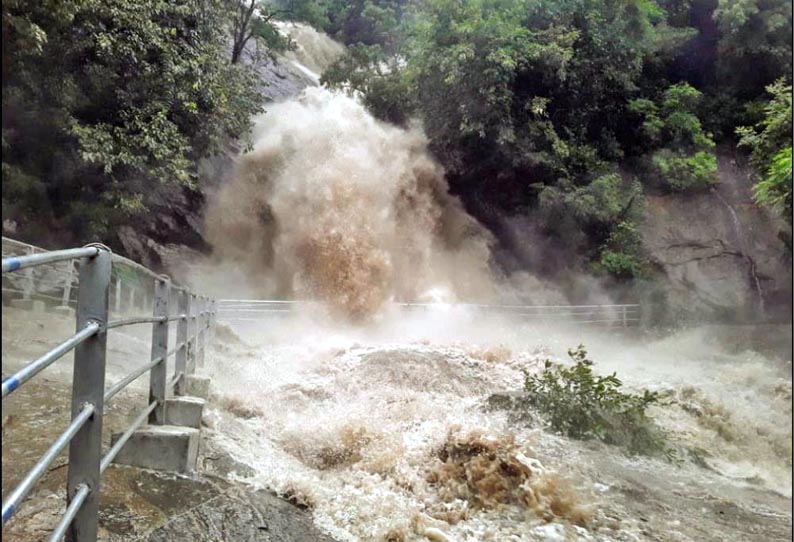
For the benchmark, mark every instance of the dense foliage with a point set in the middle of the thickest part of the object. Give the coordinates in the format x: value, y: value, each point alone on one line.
x: 108, y: 106
x: 685, y: 160
x: 770, y: 143
x: 568, y: 110
x: 577, y: 403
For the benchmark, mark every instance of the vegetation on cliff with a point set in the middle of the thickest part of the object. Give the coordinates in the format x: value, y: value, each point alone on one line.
x: 535, y: 108
x: 770, y: 142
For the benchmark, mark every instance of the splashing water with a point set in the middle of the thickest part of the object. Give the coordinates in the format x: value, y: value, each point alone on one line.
x: 336, y: 206
x: 385, y: 432
x: 314, y: 51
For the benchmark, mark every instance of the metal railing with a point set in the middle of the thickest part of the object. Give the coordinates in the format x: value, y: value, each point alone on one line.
x: 55, y: 283
x: 623, y: 316
x: 195, y: 317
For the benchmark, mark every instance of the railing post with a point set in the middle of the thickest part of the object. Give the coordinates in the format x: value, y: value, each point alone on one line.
x: 88, y: 386
x: 157, y: 376
x: 202, y: 319
x: 211, y: 329
x: 117, y: 307
x: 180, y: 364
x: 30, y: 285
x: 131, y: 304
x: 191, y: 333
x: 625, y: 323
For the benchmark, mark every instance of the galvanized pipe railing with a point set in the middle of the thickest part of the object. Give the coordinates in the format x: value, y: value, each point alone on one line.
x: 29, y: 371
x: 84, y: 433
x: 11, y: 504
x: 618, y: 315
x: 16, y: 263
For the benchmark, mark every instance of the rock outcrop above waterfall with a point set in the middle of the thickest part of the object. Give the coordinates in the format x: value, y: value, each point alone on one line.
x: 718, y: 253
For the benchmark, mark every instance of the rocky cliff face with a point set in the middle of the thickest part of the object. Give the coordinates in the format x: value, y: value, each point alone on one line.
x: 718, y: 254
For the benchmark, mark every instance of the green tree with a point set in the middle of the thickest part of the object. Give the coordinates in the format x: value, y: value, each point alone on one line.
x: 755, y: 43
x: 770, y: 145
x: 684, y: 159
x: 522, y: 101
x: 251, y: 19
x: 109, y: 112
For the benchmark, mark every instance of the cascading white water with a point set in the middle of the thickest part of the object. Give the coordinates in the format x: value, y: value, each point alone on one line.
x: 314, y: 52
x: 379, y: 425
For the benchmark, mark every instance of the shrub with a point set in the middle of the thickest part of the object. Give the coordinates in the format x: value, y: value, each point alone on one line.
x: 582, y: 405
x: 622, y: 256
x: 680, y: 172
x: 770, y: 141
x: 619, y: 264
x: 684, y: 159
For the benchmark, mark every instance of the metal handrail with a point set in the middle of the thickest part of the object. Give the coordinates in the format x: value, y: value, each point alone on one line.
x: 116, y: 448
x: 15, y: 263
x: 26, y: 373
x: 144, y: 320
x: 222, y: 302
x: 71, y: 512
x: 137, y: 373
x: 174, y: 380
x: 84, y: 432
x: 19, y: 493
x: 621, y: 315
x: 175, y: 349
x: 134, y: 375
x: 135, y: 320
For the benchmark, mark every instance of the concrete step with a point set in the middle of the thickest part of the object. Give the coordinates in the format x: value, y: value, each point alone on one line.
x: 184, y: 411
x: 160, y: 447
x: 198, y: 386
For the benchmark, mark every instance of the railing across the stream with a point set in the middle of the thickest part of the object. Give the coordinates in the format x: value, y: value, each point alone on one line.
x: 622, y: 316
x: 195, y: 316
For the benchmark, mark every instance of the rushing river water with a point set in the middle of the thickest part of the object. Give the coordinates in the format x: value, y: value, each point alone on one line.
x: 385, y: 433
x: 379, y: 421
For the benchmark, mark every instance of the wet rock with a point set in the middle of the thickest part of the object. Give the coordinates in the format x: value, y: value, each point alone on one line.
x: 507, y: 400
x: 240, y: 516
x: 718, y: 253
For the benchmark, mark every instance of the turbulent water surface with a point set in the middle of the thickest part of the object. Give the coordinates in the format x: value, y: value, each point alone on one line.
x: 385, y: 433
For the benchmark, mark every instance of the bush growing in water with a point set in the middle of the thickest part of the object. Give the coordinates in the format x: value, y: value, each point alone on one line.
x: 579, y: 404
